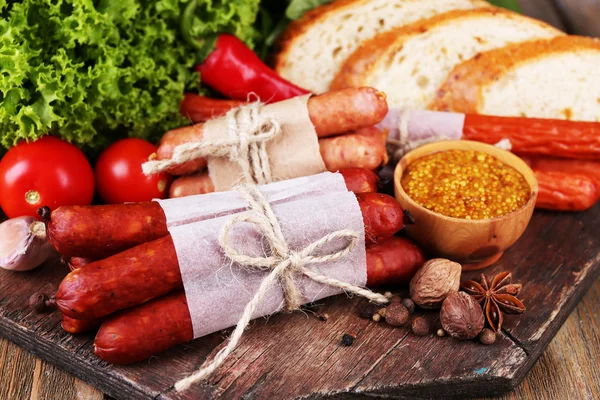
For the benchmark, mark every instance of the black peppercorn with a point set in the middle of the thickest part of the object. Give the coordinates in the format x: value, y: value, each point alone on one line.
x: 348, y: 339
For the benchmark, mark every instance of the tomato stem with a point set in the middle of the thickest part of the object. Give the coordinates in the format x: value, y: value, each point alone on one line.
x: 32, y: 197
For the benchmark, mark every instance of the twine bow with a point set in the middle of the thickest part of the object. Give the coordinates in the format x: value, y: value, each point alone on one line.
x: 247, y: 135
x: 284, y: 264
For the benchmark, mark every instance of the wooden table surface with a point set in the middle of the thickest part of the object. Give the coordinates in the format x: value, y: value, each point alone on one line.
x: 567, y: 370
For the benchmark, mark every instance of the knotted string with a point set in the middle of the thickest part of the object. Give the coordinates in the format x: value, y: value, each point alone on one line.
x: 283, y: 264
x: 247, y: 135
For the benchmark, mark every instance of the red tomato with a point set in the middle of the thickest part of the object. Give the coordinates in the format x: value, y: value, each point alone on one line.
x: 119, y: 176
x: 47, y: 172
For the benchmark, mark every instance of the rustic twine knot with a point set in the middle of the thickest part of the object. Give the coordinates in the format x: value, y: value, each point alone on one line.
x: 247, y: 135
x: 283, y: 263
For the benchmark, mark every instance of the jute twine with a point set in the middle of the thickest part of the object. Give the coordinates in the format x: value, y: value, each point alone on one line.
x: 247, y: 135
x: 247, y: 147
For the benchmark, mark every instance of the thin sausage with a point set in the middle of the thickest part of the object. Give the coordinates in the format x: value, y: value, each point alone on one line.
x: 381, y: 215
x: 200, y: 108
x: 149, y: 329
x: 151, y: 269
x: 100, y: 231
x: 564, y: 191
x: 364, y: 149
x: 589, y: 168
x: 536, y: 136
x: 190, y: 185
x: 331, y: 113
x: 358, y: 180
x: 393, y: 261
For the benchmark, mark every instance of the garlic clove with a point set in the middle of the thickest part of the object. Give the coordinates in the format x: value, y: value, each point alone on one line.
x: 23, y: 244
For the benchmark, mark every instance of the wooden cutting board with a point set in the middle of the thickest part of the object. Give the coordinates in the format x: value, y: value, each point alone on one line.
x: 298, y: 355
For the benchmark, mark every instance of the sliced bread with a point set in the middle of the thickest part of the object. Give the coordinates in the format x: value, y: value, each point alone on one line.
x: 313, y: 47
x: 410, y: 63
x: 557, y: 78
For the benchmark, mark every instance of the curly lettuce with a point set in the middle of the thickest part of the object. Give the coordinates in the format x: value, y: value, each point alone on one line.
x: 90, y: 71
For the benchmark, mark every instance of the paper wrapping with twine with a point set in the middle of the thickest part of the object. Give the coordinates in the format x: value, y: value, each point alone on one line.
x: 308, y: 208
x: 409, y: 129
x: 285, y: 249
x: 295, y: 152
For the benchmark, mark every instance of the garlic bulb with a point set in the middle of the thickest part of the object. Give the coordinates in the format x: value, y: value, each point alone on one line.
x: 23, y: 244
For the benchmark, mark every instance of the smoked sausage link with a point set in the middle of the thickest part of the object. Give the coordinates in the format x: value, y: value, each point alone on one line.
x: 331, y: 113
x: 100, y: 231
x: 565, y: 191
x: 141, y: 332
x: 151, y: 270
x: 382, y: 214
x: 124, y: 280
x: 393, y: 261
x: 360, y: 180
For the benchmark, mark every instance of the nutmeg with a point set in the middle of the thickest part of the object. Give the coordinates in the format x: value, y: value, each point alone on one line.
x: 436, y: 279
x: 461, y: 316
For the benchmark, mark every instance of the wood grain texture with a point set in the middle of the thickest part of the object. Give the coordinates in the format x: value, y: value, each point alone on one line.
x: 568, y: 368
x: 557, y: 260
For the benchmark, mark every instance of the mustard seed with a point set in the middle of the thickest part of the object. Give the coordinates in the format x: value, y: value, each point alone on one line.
x: 465, y: 184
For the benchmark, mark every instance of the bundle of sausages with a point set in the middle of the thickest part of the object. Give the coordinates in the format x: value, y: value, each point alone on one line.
x: 136, y: 272
x: 343, y: 121
x: 565, y: 155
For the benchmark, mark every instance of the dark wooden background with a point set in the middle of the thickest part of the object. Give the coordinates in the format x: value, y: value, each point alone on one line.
x: 567, y: 370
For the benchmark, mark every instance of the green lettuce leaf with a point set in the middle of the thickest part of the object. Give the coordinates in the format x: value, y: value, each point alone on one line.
x: 508, y: 4
x: 92, y: 71
x: 297, y: 8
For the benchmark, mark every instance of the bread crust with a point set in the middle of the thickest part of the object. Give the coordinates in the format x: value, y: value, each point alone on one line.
x: 356, y: 70
x: 299, y: 27
x: 462, y: 91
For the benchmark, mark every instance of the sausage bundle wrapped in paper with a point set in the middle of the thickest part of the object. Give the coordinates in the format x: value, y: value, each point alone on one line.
x: 281, y: 252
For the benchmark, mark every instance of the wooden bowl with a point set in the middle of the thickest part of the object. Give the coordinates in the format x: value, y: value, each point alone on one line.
x: 474, y: 243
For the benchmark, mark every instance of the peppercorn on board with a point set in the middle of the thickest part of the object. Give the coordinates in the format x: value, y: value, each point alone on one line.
x: 297, y: 355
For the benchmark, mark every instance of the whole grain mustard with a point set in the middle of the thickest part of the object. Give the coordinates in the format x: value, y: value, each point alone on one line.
x: 465, y: 184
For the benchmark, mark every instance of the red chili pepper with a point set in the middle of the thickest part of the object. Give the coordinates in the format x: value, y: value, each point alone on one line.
x: 235, y: 71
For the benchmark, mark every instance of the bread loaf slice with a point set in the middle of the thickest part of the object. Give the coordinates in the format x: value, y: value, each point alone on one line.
x: 557, y: 78
x: 313, y: 47
x: 410, y: 63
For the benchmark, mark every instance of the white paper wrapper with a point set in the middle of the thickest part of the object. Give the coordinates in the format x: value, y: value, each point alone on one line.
x: 414, y: 128
x: 185, y: 210
x: 307, y: 209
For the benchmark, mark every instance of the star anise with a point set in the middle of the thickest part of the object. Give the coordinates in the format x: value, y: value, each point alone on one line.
x: 496, y: 297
